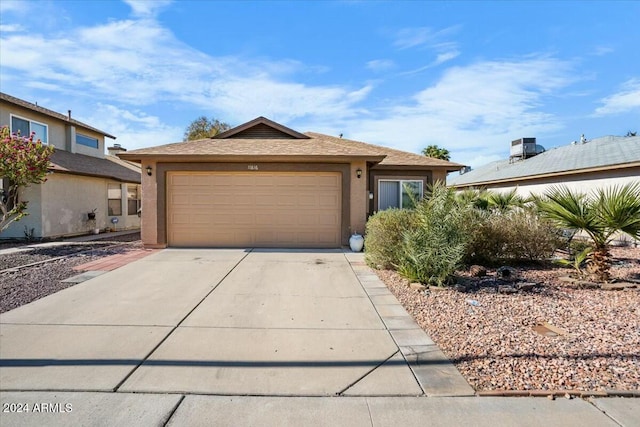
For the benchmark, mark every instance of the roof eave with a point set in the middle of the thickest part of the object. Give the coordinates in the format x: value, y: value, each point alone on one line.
x: 231, y: 158
x: 57, y: 170
x: 546, y: 175
x: 414, y: 167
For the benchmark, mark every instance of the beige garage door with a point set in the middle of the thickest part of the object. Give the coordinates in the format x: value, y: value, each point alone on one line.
x: 254, y: 209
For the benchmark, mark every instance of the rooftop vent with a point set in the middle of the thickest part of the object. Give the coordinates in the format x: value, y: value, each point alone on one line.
x: 524, y: 148
x: 465, y: 169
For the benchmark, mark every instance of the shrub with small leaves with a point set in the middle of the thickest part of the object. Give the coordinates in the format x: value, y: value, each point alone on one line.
x: 383, y: 242
x: 516, y: 235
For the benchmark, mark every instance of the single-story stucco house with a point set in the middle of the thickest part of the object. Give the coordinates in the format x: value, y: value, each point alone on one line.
x: 81, y: 179
x: 582, y: 166
x: 262, y: 184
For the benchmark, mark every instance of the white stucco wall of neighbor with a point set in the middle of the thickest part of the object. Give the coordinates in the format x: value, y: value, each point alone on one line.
x: 31, y: 194
x: 62, y: 209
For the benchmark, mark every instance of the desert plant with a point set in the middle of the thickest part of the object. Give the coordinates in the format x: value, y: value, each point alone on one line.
x: 505, y: 201
x: 433, y: 249
x: 383, y: 240
x: 478, y: 198
x: 578, y: 261
x: 516, y: 235
x: 600, y: 215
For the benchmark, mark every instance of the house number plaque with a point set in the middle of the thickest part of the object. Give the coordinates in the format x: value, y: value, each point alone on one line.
x: 252, y: 167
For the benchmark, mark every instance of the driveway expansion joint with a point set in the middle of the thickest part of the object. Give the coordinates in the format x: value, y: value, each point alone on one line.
x: 180, y: 322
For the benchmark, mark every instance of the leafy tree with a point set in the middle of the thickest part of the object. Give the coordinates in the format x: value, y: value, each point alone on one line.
x: 600, y: 215
x: 436, y: 152
x: 22, y: 162
x: 202, y: 128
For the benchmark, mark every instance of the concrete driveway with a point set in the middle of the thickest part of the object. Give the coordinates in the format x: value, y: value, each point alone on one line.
x: 225, y: 322
x: 242, y: 337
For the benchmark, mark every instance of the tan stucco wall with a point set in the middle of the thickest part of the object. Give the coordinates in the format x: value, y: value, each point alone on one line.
x: 585, y: 182
x: 439, y: 176
x: 149, y: 231
x: 359, y: 198
x: 68, y: 199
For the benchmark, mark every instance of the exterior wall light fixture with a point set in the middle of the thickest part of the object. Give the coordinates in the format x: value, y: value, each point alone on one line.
x: 149, y: 170
x: 359, y: 173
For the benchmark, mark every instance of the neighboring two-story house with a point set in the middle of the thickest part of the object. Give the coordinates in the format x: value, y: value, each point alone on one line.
x: 82, y: 178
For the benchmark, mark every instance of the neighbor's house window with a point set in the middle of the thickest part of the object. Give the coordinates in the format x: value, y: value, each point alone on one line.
x: 26, y: 126
x: 398, y: 193
x: 114, y: 202
x: 133, y: 199
x: 86, y: 140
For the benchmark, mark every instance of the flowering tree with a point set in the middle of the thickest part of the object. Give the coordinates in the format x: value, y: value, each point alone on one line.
x: 22, y: 162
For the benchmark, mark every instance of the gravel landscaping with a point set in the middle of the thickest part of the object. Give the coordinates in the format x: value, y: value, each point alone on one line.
x: 491, y: 339
x: 22, y: 285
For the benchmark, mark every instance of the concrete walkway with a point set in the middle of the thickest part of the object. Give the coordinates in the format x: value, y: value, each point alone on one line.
x: 241, y: 337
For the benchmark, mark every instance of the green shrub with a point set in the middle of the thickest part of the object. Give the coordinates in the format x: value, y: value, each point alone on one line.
x: 383, y: 240
x: 519, y: 234
x: 433, y: 249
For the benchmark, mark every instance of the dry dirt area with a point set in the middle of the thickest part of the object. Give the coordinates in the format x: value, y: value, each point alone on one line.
x: 21, y: 284
x: 491, y: 338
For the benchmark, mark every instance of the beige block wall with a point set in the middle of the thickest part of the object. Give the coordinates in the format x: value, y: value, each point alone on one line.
x: 584, y: 183
x: 359, y: 198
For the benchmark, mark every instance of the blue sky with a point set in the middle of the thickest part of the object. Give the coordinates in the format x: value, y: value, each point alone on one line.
x: 467, y: 76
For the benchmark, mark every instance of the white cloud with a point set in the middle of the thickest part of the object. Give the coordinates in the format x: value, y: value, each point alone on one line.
x: 446, y: 56
x: 626, y: 100
x: 133, y: 129
x: 139, y: 62
x: 14, y: 6
x: 440, y: 59
x: 11, y: 28
x: 379, y: 65
x: 423, y: 36
x: 602, y: 50
x: 474, y: 111
x: 147, y: 8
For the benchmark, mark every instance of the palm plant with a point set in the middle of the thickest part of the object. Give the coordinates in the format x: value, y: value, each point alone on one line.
x: 505, y: 201
x: 600, y: 215
x: 477, y: 198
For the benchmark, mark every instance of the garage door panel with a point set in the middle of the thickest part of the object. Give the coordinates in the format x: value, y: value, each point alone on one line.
x: 240, y: 209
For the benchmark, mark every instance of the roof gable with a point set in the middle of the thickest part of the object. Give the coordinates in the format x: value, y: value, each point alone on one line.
x: 261, y: 128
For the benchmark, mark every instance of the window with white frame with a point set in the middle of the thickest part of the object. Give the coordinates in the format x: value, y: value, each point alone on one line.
x: 133, y: 199
x: 394, y: 193
x: 114, y: 200
x: 26, y: 126
x: 86, y: 140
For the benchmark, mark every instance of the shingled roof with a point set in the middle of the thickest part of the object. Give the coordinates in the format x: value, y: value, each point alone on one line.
x: 605, y: 153
x: 79, y: 164
x: 309, y: 144
x: 34, y: 107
